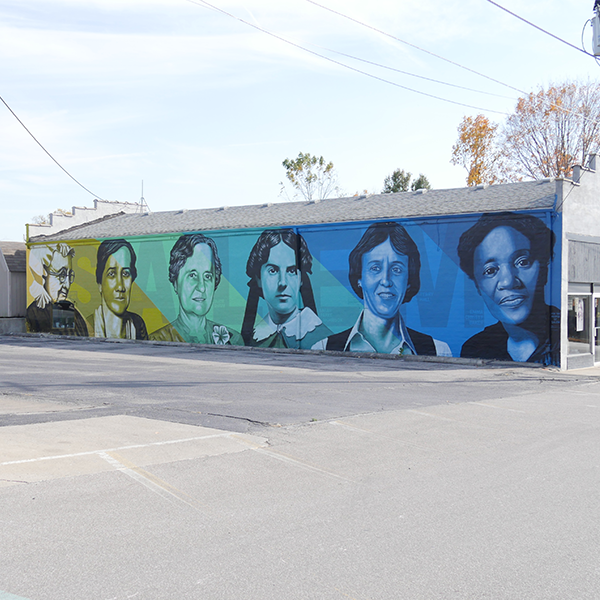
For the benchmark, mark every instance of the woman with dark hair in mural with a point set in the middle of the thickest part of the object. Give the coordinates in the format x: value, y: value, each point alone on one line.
x: 115, y: 274
x: 195, y: 273
x: 384, y: 273
x: 507, y: 257
x: 278, y: 267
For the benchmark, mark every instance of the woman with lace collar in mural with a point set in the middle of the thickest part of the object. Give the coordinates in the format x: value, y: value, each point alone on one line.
x: 278, y: 267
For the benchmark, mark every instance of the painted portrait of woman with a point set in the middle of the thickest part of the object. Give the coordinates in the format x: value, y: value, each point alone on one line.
x: 195, y: 273
x: 279, y: 266
x: 507, y: 256
x: 115, y: 274
x: 384, y: 271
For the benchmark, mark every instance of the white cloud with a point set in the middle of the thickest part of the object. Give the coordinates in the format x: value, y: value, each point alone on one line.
x: 205, y: 108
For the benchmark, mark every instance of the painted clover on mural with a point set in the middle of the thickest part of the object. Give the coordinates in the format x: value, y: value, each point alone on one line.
x: 195, y: 273
x: 507, y: 256
x: 279, y: 266
x: 115, y: 274
x: 51, y: 267
x: 385, y: 273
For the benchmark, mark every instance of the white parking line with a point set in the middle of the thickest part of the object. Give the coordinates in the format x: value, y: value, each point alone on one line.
x: 91, y: 452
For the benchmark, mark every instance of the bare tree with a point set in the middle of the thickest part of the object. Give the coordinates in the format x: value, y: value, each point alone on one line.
x: 549, y: 131
x: 311, y: 176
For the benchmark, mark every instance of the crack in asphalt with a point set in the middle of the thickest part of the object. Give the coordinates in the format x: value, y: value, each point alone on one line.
x: 264, y: 423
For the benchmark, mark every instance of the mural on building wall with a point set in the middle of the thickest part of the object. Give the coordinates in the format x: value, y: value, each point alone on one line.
x: 279, y: 266
x: 51, y: 275
x: 384, y: 271
x: 479, y: 287
x: 507, y: 256
x: 115, y: 274
x: 195, y: 273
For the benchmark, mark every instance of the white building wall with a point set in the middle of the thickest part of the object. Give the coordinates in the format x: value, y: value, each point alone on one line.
x: 579, y: 202
x: 4, y: 287
x: 13, y: 299
x: 81, y: 215
x: 18, y: 295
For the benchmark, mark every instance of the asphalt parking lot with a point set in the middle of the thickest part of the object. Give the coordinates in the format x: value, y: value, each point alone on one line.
x: 153, y: 472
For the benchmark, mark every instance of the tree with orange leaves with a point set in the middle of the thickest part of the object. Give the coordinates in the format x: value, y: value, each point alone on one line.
x: 549, y: 131
x: 476, y: 150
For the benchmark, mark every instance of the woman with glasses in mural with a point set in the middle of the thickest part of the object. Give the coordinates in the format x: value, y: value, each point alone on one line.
x: 384, y: 273
x: 51, y: 312
x: 195, y: 273
x: 278, y: 267
x: 507, y: 257
x: 115, y: 274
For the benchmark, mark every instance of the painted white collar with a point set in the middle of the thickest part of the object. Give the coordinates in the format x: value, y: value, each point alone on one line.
x: 302, y: 323
x: 357, y: 342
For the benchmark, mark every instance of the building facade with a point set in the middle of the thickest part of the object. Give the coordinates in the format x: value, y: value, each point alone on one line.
x: 508, y: 272
x: 13, y: 287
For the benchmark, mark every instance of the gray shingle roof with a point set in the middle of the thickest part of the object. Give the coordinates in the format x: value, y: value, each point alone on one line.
x: 527, y: 195
x: 15, y: 256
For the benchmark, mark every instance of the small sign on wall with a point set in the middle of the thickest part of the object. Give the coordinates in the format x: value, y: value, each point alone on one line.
x: 580, y: 308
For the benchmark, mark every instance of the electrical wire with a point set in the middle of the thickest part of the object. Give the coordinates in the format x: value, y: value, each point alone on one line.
x: 207, y: 4
x: 393, y: 37
x: 204, y: 3
x: 596, y: 58
x: 454, y: 85
x: 582, y: 32
x: 539, y: 28
x: 389, y: 35
x: 583, y: 173
x: 46, y: 151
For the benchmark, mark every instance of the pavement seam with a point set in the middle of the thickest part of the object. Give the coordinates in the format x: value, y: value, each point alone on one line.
x: 303, y: 465
x: 294, y: 461
x: 150, y: 481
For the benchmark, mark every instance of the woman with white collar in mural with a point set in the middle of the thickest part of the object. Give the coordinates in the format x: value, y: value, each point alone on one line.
x: 384, y: 273
x: 278, y: 268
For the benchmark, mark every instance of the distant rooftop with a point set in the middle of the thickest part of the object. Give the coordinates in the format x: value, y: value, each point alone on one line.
x: 60, y: 220
x: 15, y: 256
x: 528, y: 195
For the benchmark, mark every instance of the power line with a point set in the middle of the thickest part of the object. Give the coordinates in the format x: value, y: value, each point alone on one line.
x: 596, y: 58
x: 341, y: 64
x: 46, y: 151
x: 454, y: 85
x: 393, y: 37
x: 389, y: 35
x: 539, y: 28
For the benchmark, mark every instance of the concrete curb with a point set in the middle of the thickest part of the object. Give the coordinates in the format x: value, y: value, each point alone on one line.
x: 449, y: 360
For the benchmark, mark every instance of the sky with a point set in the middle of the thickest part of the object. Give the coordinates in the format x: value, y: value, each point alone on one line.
x: 203, y: 108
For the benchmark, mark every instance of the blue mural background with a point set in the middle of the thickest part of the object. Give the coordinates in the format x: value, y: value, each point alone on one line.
x: 448, y: 306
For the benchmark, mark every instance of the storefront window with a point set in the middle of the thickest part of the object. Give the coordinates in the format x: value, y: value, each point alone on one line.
x: 580, y: 327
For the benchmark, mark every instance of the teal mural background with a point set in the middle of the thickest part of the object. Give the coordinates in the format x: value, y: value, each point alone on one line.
x: 447, y: 307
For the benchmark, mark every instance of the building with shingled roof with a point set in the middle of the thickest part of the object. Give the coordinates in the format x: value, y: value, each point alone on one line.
x: 504, y: 272
x: 13, y: 283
